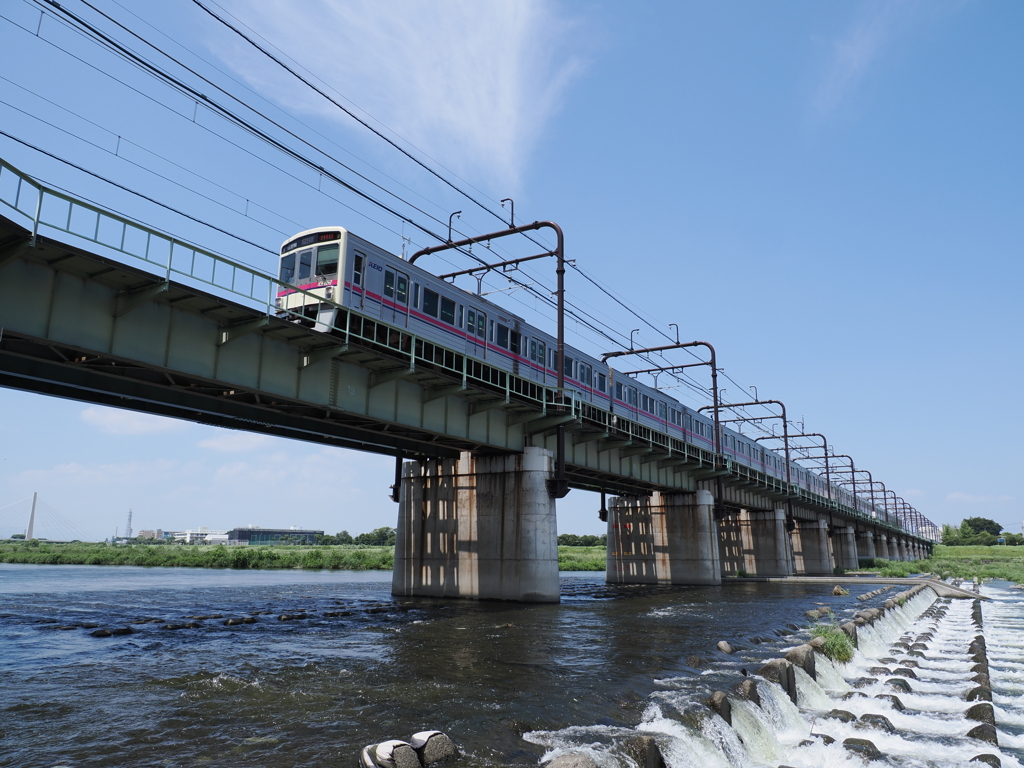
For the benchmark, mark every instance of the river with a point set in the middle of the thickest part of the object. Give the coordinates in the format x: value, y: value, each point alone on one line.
x: 511, y: 684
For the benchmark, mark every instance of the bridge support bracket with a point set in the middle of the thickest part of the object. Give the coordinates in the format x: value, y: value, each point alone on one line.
x: 383, y: 377
x: 547, y: 422
x: 229, y: 333
x: 14, y: 250
x: 486, y: 405
x: 436, y: 393
x: 318, y: 354
x: 136, y: 297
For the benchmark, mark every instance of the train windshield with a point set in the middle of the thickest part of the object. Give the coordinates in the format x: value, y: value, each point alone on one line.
x: 288, y: 268
x: 327, y: 259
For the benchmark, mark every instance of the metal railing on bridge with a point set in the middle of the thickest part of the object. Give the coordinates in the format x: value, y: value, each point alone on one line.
x: 45, y: 207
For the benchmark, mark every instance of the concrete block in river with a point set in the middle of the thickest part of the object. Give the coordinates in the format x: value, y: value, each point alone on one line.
x: 982, y: 712
x: 572, y: 760
x: 802, y: 656
x: 719, y: 702
x: 897, y: 704
x: 434, y: 747
x: 780, y: 671
x: 989, y: 759
x: 876, y: 721
x: 841, y: 715
x: 748, y: 690
x: 645, y: 752
x: 899, y: 684
x: 862, y: 747
x: 984, y: 732
x: 981, y: 693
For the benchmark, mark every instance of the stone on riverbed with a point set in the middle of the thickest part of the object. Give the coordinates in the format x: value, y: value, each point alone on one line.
x: 989, y: 759
x: 645, y: 752
x: 433, y: 747
x: 982, y: 713
x: 572, y: 760
x: 877, y: 721
x: 984, y: 732
x: 724, y: 647
x: 862, y: 747
x: 719, y: 702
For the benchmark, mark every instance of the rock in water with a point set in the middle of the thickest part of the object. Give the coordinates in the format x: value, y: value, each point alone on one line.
x: 877, y: 721
x: 572, y: 760
x: 984, y: 732
x: 841, y: 715
x: 101, y: 633
x: 982, y: 713
x: 645, y: 752
x: 988, y: 758
x: 748, y: 690
x: 862, y: 747
x: 433, y: 747
x: 724, y: 647
x: 802, y: 656
x: 719, y: 702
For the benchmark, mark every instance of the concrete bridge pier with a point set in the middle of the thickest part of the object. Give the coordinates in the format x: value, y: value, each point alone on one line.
x: 480, y: 527
x: 866, y: 545
x: 664, y: 538
x: 767, y: 541
x: 811, y: 551
x: 901, y: 550
x: 882, y: 546
x: 844, y: 547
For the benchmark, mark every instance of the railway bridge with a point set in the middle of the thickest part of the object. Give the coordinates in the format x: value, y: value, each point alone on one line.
x: 102, y: 309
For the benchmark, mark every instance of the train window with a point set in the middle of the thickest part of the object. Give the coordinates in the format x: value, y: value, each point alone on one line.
x: 416, y: 295
x: 471, y: 320
x: 389, y: 284
x: 570, y: 369
x: 602, y: 382
x: 448, y: 310
x: 288, y: 268
x: 481, y: 323
x: 502, y: 336
x: 357, y: 269
x: 662, y: 411
x: 430, y: 302
x: 461, y: 315
x: 675, y: 417
x: 490, y: 332
x: 533, y: 349
x: 631, y: 396
x: 586, y: 374
x: 327, y: 259
x: 515, y: 342
x: 402, y: 290
x: 618, y: 391
x: 305, y: 263
x: 542, y: 353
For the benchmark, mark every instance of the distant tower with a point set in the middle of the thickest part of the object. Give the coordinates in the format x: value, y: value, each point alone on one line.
x: 30, y: 532
x: 128, y: 528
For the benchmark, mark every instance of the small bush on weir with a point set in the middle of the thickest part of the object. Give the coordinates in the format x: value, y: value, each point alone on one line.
x: 837, y: 645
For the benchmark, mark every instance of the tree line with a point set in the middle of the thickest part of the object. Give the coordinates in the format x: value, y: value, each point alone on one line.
x: 979, y: 532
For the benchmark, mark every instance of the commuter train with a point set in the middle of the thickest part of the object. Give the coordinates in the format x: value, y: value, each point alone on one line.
x: 340, y: 266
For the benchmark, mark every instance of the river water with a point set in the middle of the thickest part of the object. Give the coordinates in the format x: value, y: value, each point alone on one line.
x: 512, y: 685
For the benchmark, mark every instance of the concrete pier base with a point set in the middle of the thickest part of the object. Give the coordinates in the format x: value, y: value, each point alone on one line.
x: 882, y: 546
x: 767, y: 541
x: 667, y: 538
x: 866, y: 545
x: 902, y: 549
x: 479, y: 527
x: 811, y: 552
x: 844, y: 548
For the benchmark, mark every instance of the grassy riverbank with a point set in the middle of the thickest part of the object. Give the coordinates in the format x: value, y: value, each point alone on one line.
x: 344, y: 557
x: 1006, y: 563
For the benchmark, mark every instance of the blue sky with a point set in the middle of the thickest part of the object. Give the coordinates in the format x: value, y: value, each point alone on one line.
x: 830, y: 193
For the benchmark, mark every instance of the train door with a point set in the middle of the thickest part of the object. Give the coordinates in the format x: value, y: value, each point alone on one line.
x: 396, y: 297
x: 476, y: 330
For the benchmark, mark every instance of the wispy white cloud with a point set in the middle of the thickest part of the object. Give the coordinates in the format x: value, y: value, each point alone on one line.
x: 974, y: 499
x: 472, y: 84
x: 879, y: 26
x: 114, y: 421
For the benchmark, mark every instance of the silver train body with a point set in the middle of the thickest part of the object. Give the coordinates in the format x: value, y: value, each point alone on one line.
x: 338, y: 265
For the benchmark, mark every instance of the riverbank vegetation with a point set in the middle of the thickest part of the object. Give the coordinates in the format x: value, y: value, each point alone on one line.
x: 985, y: 562
x: 338, y: 557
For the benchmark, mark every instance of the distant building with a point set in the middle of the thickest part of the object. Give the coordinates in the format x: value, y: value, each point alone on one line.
x: 199, y: 535
x: 157, y: 534
x: 254, y: 536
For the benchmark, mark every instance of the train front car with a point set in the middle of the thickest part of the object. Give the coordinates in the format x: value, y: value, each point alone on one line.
x: 312, y: 262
